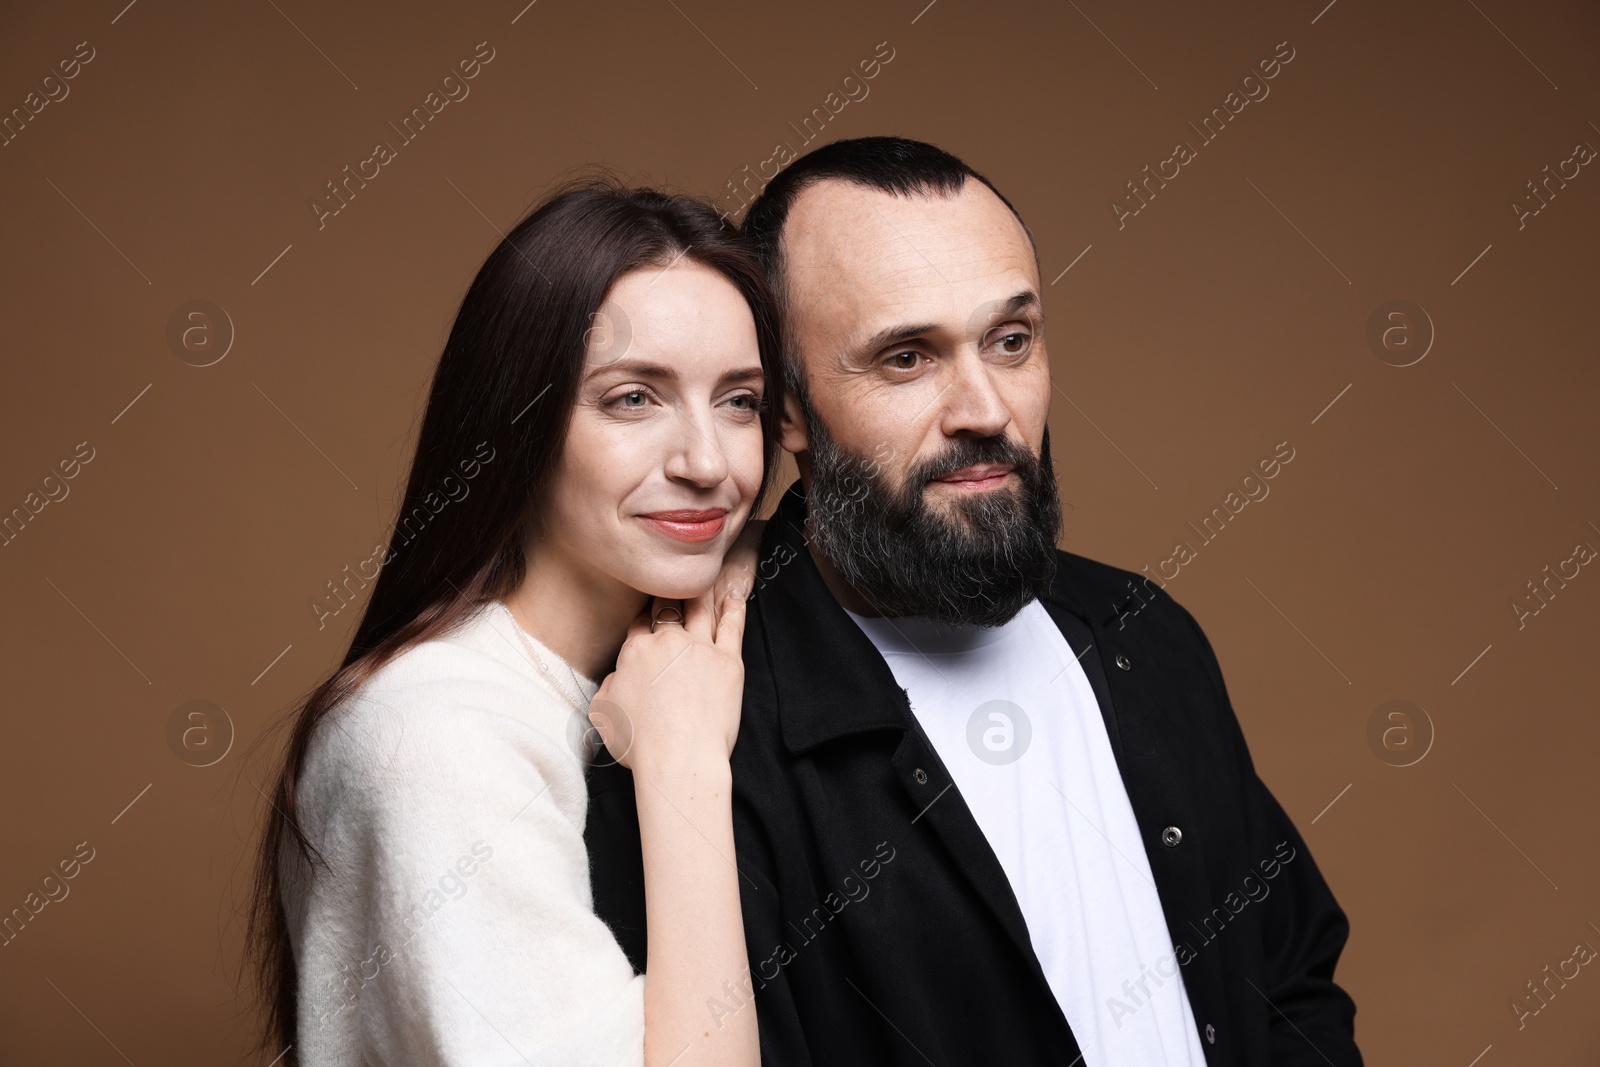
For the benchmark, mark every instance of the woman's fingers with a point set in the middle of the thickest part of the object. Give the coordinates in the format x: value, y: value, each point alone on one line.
x: 668, y: 612
x: 641, y: 621
x: 730, y: 625
x: 739, y: 565
x: 699, y: 617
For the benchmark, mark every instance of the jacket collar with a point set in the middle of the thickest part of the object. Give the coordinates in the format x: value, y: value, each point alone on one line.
x: 830, y: 680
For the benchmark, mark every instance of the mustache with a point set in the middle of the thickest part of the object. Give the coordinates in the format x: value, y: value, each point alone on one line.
x: 980, y: 565
x: 968, y: 452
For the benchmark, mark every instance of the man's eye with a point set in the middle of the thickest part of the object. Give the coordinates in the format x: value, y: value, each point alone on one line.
x: 1014, y: 344
x: 906, y: 360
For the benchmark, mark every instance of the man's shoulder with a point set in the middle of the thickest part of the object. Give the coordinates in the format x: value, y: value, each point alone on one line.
x: 1091, y: 576
x: 1115, y: 597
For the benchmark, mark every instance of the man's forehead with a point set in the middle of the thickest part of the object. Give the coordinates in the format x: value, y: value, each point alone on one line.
x: 850, y: 246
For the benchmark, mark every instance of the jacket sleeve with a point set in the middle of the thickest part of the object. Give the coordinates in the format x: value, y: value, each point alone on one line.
x: 783, y: 1038
x: 1312, y: 1019
x: 612, y: 834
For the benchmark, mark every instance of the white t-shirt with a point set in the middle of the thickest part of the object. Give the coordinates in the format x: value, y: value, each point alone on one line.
x: 456, y: 924
x: 1011, y: 713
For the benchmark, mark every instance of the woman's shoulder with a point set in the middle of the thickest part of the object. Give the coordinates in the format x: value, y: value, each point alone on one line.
x: 466, y: 694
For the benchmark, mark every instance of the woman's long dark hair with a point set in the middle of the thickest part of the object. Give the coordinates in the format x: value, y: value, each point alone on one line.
x: 497, y: 415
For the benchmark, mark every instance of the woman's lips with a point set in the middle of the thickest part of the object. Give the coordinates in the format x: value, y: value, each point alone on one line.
x: 687, y: 525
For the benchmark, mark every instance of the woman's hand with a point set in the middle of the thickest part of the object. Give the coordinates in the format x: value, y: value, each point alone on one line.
x: 671, y: 708
x: 670, y: 712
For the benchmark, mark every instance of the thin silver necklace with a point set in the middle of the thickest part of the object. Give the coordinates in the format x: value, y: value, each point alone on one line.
x: 576, y: 699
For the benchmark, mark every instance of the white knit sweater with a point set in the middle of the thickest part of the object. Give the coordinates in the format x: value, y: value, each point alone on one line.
x: 456, y: 925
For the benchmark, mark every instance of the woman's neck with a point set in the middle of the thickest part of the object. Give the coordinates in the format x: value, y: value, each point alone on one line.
x: 580, y: 615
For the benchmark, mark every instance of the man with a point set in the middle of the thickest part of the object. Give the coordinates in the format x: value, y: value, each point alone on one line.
x: 991, y: 802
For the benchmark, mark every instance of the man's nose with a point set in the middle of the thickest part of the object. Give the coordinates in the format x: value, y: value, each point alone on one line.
x: 971, y: 404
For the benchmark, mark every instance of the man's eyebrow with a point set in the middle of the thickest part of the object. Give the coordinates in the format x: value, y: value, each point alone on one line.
x: 895, y: 334
x: 1020, y: 302
x: 1025, y: 300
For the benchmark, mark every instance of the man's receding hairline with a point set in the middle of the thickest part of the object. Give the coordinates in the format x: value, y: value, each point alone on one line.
x: 926, y: 192
x: 778, y: 268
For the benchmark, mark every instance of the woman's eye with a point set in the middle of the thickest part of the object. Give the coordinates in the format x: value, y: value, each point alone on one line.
x: 745, y: 403
x: 632, y: 400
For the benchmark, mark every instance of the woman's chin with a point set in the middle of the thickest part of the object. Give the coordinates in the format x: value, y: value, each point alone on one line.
x: 680, y: 582
x: 678, y: 592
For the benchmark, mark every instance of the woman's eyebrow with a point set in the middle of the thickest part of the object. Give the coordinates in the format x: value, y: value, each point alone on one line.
x: 645, y: 369
x: 641, y: 368
x: 745, y: 374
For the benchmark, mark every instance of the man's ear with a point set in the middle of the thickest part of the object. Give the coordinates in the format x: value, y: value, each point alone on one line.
x: 792, y: 426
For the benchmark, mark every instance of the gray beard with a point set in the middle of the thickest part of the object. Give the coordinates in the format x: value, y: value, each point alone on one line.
x: 979, y: 565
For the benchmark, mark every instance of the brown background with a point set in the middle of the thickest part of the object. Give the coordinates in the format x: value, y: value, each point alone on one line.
x: 1224, y: 318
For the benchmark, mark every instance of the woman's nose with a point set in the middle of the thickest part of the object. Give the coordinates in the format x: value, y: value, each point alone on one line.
x: 698, y: 455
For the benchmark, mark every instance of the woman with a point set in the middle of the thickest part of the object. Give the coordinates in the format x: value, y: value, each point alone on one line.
x: 600, y: 427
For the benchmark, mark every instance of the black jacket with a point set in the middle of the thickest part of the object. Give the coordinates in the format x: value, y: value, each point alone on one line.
x: 881, y: 927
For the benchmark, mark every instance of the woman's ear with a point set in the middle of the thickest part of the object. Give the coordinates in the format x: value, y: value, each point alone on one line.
x: 792, y: 426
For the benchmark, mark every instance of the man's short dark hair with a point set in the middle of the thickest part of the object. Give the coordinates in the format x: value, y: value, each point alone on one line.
x: 893, y: 165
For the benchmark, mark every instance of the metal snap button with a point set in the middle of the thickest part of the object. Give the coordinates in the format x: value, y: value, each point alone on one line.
x: 1211, y: 1034
x: 1171, y: 836
x: 920, y: 775
x: 1122, y: 661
